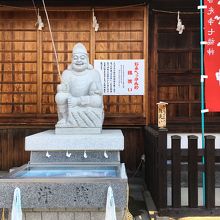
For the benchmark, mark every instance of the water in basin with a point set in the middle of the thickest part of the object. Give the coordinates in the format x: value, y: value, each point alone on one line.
x: 67, y: 171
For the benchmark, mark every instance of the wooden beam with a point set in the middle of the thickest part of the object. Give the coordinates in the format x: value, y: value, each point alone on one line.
x: 39, y: 71
x: 146, y: 26
x: 92, y: 40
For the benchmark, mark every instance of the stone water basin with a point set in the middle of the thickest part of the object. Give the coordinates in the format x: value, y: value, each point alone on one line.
x: 65, y: 186
x: 66, y: 171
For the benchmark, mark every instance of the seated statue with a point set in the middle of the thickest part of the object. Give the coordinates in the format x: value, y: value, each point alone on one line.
x: 79, y: 96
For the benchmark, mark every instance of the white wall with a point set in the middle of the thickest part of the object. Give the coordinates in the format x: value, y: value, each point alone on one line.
x: 184, y: 139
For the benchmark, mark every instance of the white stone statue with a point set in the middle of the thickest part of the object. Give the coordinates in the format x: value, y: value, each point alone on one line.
x: 79, y: 96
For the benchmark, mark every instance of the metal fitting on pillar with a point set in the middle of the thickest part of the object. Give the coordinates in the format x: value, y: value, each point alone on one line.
x: 48, y: 155
x: 85, y: 154
x: 68, y: 154
x: 105, y: 154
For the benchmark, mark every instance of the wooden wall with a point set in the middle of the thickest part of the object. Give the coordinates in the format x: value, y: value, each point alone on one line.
x: 28, y: 74
x: 175, y: 72
x: 28, y: 69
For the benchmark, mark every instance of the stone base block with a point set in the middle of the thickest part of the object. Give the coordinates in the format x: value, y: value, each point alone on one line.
x: 72, y: 131
x: 64, y: 193
x: 76, y: 157
x: 66, y: 214
x: 49, y: 141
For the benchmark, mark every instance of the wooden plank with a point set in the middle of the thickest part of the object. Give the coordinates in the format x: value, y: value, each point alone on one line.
x: 9, y: 153
x: 178, y: 80
x: 15, y: 109
x: 152, y: 89
x: 21, y: 46
x: 23, y: 156
x: 3, y: 149
x: 146, y: 97
x: 12, y: 148
x: 124, y: 109
x: 210, y: 171
x: 192, y: 171
x: 92, y: 40
x: 134, y: 144
x: 136, y: 105
x: 176, y: 171
x: 151, y: 145
x: 2, y: 71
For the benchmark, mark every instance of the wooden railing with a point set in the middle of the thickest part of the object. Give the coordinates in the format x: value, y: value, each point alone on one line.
x: 156, y: 164
x: 160, y: 160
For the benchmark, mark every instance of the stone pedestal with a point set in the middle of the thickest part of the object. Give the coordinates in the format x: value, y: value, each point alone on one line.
x: 49, y: 141
x: 66, y: 214
x: 69, y: 197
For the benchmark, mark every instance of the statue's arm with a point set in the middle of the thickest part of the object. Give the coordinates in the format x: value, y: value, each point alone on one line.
x: 63, y: 86
x: 94, y: 101
x: 95, y: 93
x: 95, y: 89
x: 85, y: 101
x: 94, y: 98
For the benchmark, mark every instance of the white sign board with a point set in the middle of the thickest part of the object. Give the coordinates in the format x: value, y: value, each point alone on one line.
x: 121, y: 77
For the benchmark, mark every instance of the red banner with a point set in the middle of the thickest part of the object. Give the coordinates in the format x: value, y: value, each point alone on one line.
x: 212, y: 54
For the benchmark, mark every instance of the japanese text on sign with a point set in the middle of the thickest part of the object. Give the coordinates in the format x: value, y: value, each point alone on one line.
x: 121, y: 77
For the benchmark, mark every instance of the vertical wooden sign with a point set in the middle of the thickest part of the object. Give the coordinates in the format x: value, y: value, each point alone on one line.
x: 161, y: 113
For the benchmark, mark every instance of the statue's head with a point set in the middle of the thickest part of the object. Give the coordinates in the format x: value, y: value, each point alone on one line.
x: 80, y: 60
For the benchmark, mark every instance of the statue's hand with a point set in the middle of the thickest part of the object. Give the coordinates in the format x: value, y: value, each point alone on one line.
x: 62, y: 87
x: 95, y: 89
x: 72, y: 102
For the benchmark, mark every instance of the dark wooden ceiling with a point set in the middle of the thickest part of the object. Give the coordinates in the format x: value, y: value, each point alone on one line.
x: 190, y: 5
x: 158, y: 4
x: 72, y: 2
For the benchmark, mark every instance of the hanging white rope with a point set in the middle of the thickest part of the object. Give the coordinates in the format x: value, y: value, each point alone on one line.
x: 51, y: 35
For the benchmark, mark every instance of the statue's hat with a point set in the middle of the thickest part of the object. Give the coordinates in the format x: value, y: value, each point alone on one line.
x: 79, y: 48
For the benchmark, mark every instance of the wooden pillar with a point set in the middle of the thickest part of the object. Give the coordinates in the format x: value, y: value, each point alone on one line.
x: 192, y: 171
x: 209, y: 171
x: 176, y: 171
x: 162, y: 168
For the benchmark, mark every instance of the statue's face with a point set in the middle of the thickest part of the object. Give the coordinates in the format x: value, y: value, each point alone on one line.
x: 80, y: 62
